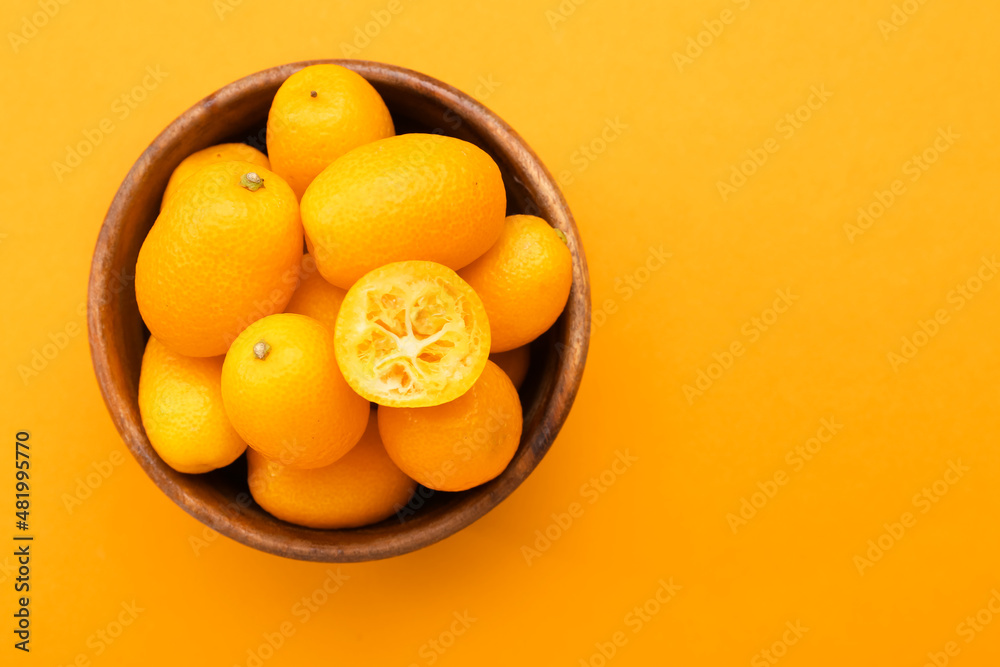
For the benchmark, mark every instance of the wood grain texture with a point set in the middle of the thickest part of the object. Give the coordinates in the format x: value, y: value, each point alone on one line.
x: 221, y: 499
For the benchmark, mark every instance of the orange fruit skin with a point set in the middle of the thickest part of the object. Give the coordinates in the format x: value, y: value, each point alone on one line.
x: 212, y: 155
x: 293, y: 405
x: 218, y: 258
x: 411, y: 334
x: 362, y: 487
x: 524, y: 281
x: 315, y: 297
x: 180, y: 402
x: 514, y: 363
x: 461, y: 444
x: 306, y: 133
x: 410, y: 197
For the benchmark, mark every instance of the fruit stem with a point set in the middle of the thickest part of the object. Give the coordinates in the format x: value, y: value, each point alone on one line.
x: 252, y: 181
x: 261, y: 349
x: 312, y: 93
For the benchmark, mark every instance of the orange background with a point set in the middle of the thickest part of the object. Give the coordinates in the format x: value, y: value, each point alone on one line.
x: 677, y: 128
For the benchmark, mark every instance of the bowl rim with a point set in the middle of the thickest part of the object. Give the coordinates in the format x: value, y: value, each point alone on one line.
x: 569, y: 367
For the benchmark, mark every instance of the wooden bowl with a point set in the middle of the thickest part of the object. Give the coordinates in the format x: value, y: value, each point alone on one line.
x: 221, y: 499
